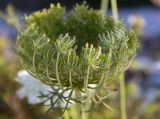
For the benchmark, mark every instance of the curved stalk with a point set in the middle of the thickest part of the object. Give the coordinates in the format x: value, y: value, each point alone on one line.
x: 57, y: 73
x: 34, y: 65
x: 70, y: 78
x: 33, y: 61
x: 101, y: 81
x: 123, y: 98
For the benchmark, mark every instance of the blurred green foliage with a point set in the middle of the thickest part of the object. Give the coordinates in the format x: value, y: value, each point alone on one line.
x: 10, y: 16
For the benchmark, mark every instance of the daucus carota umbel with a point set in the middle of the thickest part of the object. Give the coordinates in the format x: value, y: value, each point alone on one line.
x: 77, y: 50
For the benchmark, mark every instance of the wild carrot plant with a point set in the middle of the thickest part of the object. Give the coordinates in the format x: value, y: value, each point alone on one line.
x: 78, y: 52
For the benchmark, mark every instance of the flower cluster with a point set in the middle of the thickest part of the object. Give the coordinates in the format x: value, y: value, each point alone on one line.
x: 75, y: 50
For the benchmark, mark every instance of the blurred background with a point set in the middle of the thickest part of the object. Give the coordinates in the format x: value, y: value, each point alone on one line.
x: 142, y: 78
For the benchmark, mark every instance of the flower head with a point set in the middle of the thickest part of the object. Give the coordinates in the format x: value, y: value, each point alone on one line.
x: 75, y: 51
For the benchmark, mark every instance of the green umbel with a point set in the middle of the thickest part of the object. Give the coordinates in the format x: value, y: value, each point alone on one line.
x: 76, y: 49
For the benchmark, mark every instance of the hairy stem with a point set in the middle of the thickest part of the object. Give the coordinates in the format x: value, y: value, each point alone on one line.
x: 123, y: 97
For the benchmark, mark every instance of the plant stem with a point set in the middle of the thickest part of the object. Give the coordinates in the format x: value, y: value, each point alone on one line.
x: 84, y: 114
x: 57, y: 73
x: 104, y: 6
x: 80, y: 112
x: 73, y: 112
x: 123, y: 97
x: 78, y: 105
x: 70, y: 78
x: 66, y: 115
x: 114, y: 8
x: 122, y: 80
x: 86, y: 80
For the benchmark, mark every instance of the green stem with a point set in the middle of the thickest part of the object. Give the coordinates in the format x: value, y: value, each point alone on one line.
x: 114, y: 8
x: 84, y: 114
x: 101, y: 81
x: 66, y: 115
x: 33, y: 61
x: 104, y: 6
x: 87, y: 78
x: 123, y: 97
x: 78, y: 105
x: 57, y: 73
x: 80, y: 111
x: 74, y: 112
x: 70, y: 78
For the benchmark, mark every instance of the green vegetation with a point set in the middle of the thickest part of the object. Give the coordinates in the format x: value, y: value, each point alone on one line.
x: 81, y: 51
x: 80, y: 48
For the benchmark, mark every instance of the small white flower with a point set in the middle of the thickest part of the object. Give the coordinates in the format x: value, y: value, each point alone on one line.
x: 32, y: 87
